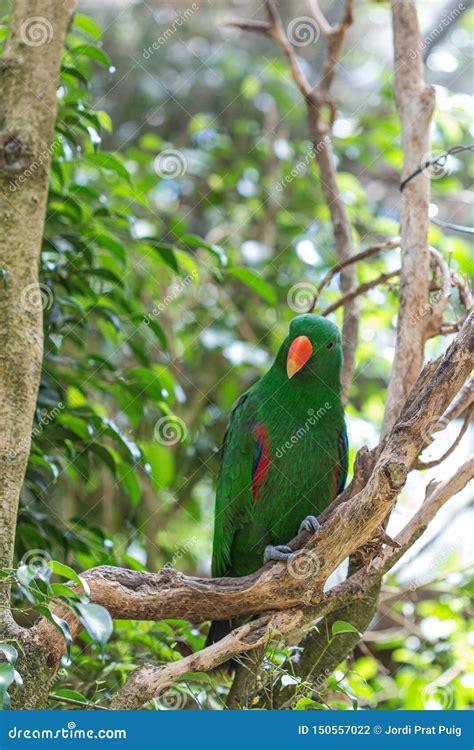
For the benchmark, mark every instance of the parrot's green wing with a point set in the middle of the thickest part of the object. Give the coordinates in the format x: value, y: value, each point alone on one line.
x: 234, y: 499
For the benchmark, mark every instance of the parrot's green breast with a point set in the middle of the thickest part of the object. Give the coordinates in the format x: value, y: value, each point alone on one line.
x: 285, y: 452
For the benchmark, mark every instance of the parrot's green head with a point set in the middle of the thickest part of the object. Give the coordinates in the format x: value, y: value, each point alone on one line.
x: 312, y: 351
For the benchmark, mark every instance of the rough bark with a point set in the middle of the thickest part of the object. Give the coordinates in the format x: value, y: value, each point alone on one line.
x: 26, y: 127
x: 28, y: 80
x: 29, y: 70
x: 415, y: 104
x: 151, y: 596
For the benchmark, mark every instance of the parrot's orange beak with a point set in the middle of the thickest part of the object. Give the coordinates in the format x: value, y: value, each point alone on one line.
x: 299, y: 352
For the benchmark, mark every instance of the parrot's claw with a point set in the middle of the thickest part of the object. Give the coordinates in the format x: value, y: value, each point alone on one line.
x: 280, y: 552
x: 310, y: 523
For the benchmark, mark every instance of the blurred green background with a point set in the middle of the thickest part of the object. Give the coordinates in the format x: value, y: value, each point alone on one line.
x: 185, y: 228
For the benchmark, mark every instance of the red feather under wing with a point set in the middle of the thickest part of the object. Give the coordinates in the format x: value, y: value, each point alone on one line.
x: 262, y: 460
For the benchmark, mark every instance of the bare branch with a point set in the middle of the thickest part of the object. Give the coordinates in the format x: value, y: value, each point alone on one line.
x: 363, y: 255
x: 153, y: 596
x: 321, y: 20
x: 358, y: 290
x: 415, y: 104
x: 317, y: 100
x: 437, y: 494
x: 463, y: 400
x: 421, y: 465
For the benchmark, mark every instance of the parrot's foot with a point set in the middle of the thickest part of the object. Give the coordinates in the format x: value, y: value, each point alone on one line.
x: 310, y: 523
x: 280, y: 552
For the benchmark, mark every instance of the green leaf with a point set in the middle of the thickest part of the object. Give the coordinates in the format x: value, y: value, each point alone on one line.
x: 130, y: 482
x: 303, y: 704
x: 88, y: 25
x: 66, y: 572
x: 59, y: 623
x: 106, y: 160
x: 94, y: 53
x: 96, y: 621
x: 73, y: 694
x: 7, y: 675
x: 341, y: 626
x: 105, y: 120
x: 252, y: 279
x: 10, y: 653
x: 195, y: 241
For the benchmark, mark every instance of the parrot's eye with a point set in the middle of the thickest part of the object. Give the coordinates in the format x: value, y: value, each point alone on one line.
x: 330, y: 345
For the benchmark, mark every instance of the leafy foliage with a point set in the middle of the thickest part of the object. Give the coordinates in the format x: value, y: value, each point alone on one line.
x: 165, y: 297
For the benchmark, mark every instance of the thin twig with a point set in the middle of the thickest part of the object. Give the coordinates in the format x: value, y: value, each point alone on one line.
x: 358, y: 290
x: 421, y: 465
x: 363, y: 255
x: 73, y: 702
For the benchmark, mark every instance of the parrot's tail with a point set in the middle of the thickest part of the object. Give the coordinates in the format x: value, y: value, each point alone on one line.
x: 218, y: 630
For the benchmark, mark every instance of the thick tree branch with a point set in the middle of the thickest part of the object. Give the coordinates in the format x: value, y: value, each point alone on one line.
x: 28, y: 81
x: 151, y: 680
x: 136, y: 595
x: 415, y: 104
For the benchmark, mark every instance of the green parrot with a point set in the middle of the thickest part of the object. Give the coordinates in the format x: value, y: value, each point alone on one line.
x: 285, y: 454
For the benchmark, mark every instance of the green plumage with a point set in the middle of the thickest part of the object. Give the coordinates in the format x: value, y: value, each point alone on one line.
x: 299, y: 466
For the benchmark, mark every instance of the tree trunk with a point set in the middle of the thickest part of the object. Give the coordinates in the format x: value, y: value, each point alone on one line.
x: 29, y: 71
